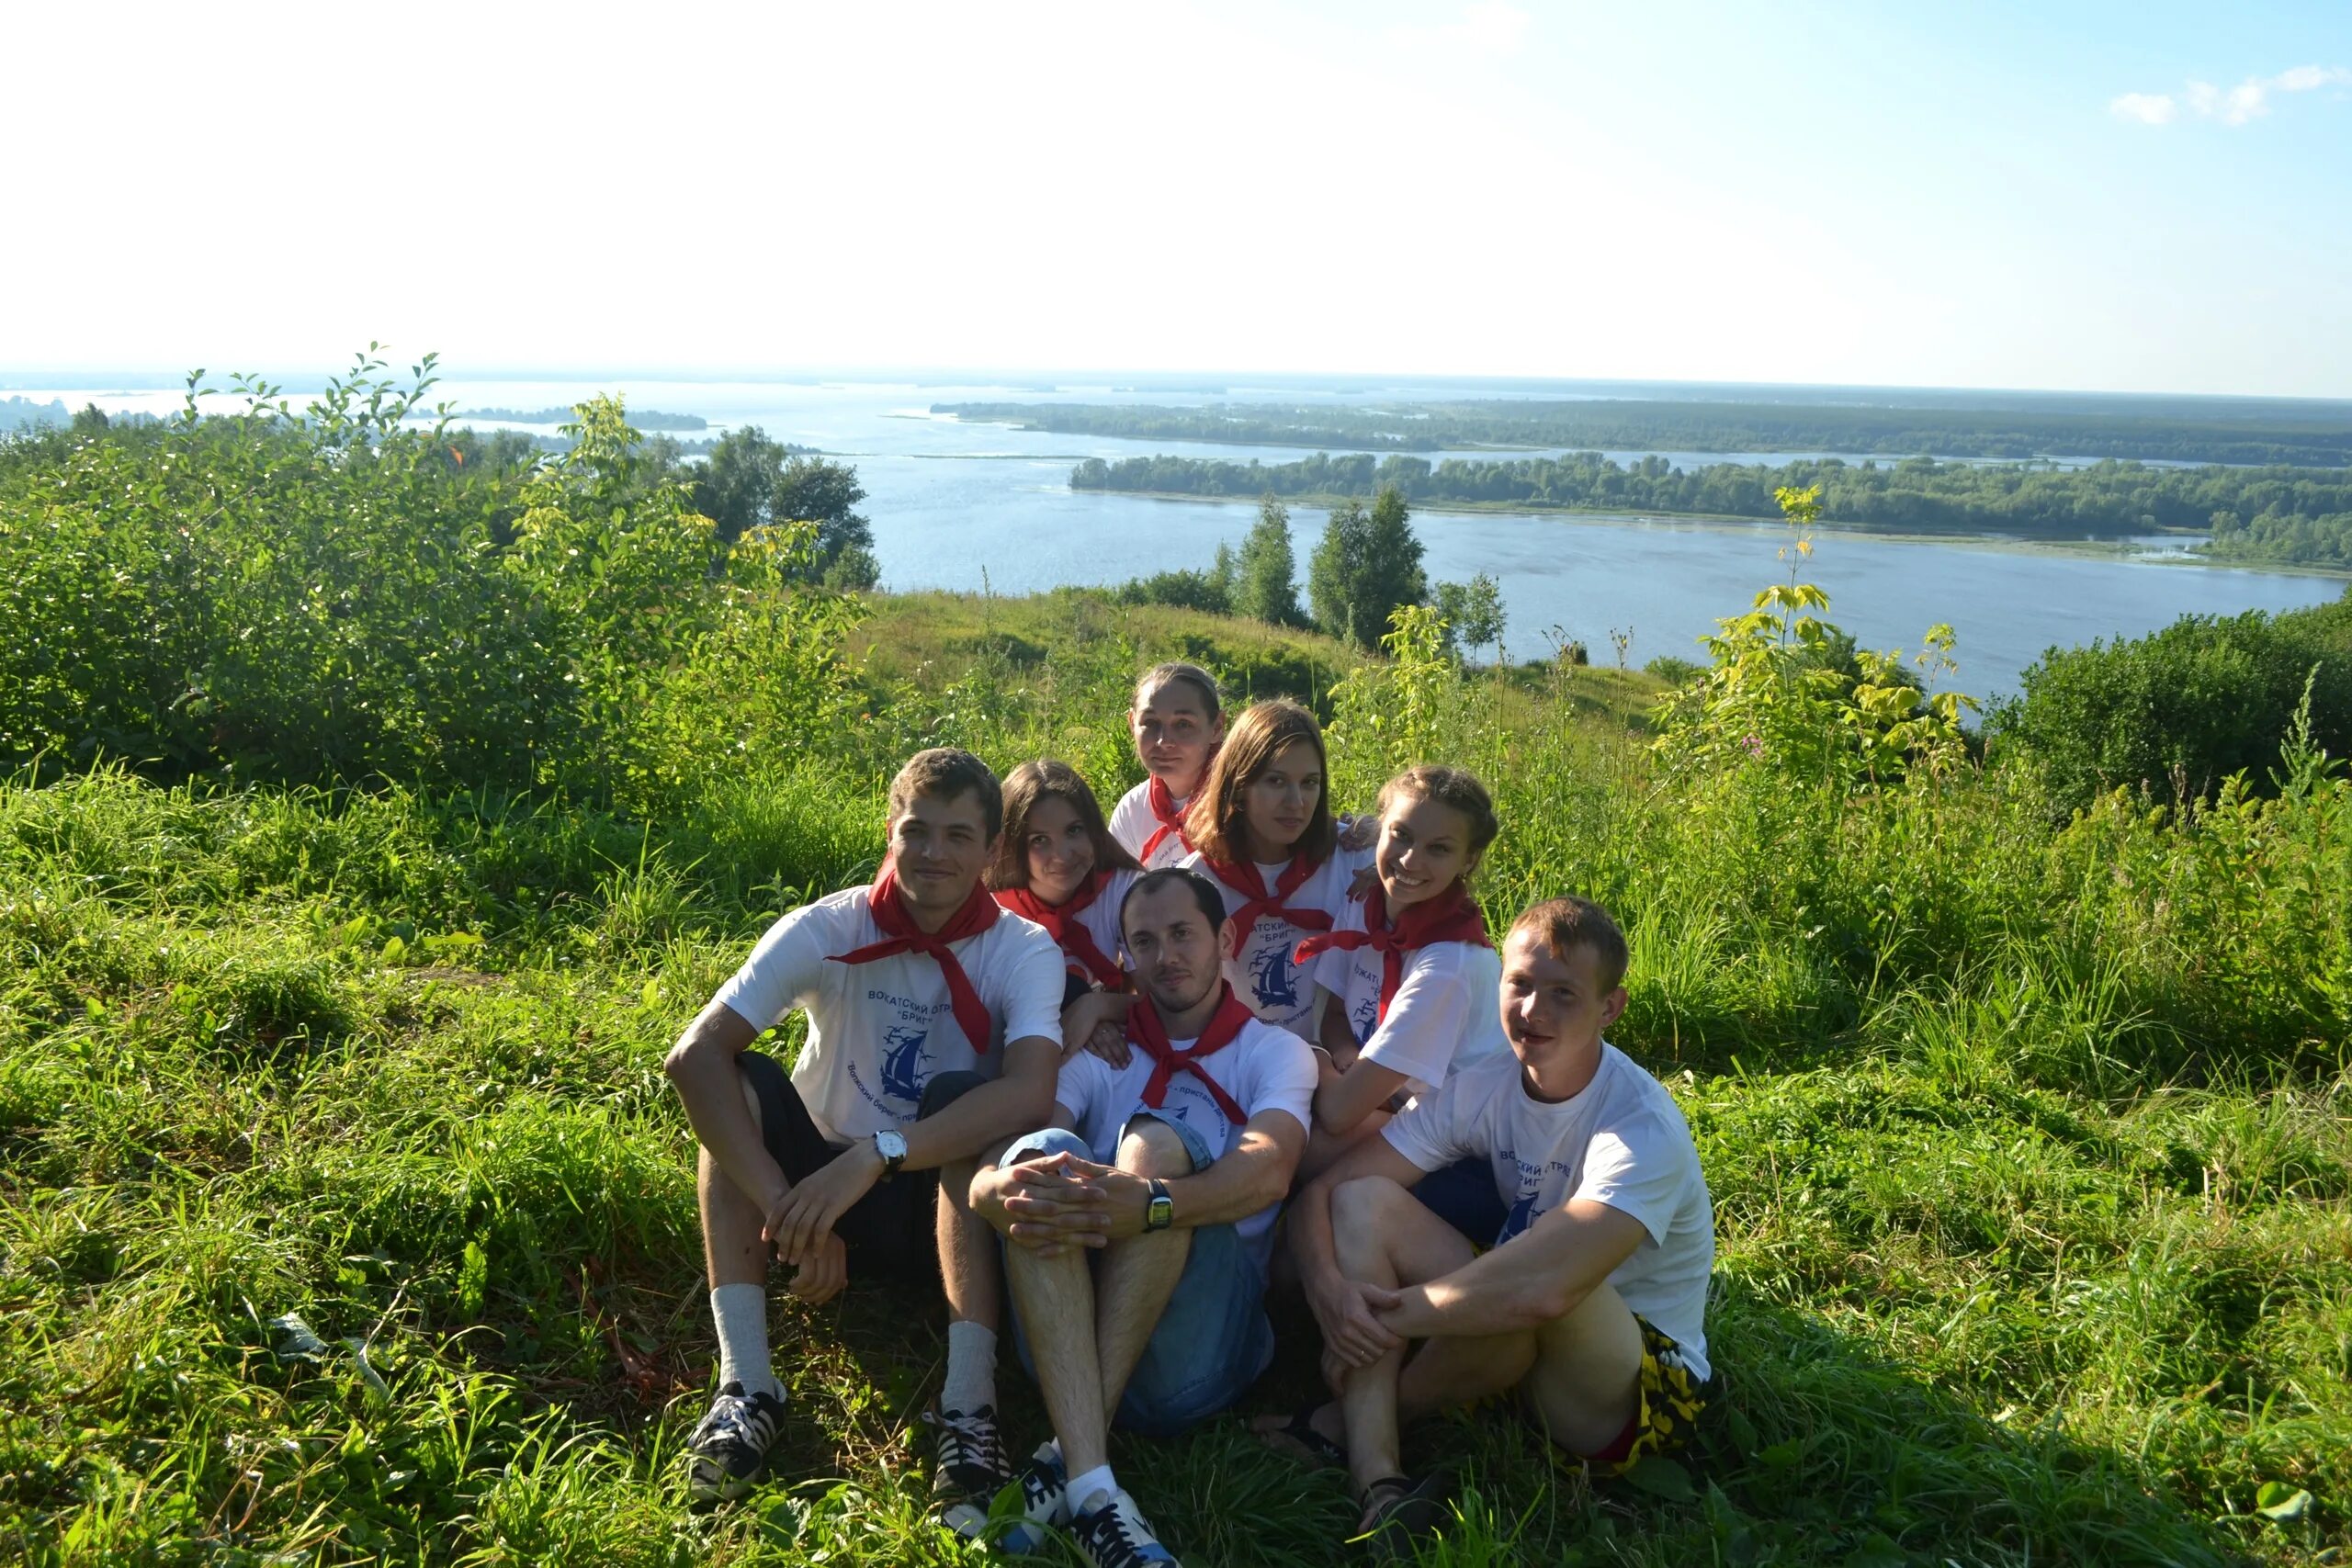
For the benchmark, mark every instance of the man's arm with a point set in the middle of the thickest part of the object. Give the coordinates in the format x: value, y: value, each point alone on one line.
x: 1253, y: 1173
x: 1353, y: 1093
x: 1534, y: 1278
x: 1340, y: 1308
x: 702, y: 1068
x: 1018, y: 1099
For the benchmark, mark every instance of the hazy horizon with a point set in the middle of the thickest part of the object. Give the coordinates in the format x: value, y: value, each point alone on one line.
x: 2099, y: 197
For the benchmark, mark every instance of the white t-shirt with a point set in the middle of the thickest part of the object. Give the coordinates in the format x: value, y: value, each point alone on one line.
x: 1133, y: 825
x: 1100, y: 918
x: 1263, y: 1069
x: 1622, y: 1141
x: 1446, y: 1014
x: 1265, y: 973
x: 877, y: 1031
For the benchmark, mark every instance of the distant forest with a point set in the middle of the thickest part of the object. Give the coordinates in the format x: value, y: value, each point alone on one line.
x: 2263, y: 434
x: 23, y: 413
x: 2283, y: 514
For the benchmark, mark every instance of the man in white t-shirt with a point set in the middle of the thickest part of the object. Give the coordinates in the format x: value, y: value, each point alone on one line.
x: 1173, y: 1166
x: 1591, y: 1302
x: 934, y: 1033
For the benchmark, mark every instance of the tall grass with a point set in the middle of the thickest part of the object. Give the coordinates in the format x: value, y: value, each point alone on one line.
x: 2028, y: 1141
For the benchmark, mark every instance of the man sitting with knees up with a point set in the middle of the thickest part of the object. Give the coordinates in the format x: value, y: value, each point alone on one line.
x: 1137, y: 1226
x: 1591, y: 1303
x: 935, y: 1029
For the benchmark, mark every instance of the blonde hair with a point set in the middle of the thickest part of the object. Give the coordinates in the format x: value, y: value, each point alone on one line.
x: 1456, y: 789
x: 1190, y: 675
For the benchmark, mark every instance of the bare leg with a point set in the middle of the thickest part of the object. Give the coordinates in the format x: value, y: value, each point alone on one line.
x: 732, y: 1252
x: 1324, y: 1149
x: 1383, y: 1237
x: 1139, y: 1274
x: 1055, y: 1299
x: 968, y: 1253
x: 1588, y: 1370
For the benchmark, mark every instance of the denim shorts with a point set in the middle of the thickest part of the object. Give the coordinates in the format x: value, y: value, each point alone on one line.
x: 1212, y: 1341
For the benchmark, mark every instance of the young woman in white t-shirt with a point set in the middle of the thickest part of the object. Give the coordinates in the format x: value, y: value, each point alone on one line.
x: 1410, y: 973
x: 1058, y: 865
x: 1177, y: 721
x: 1263, y: 831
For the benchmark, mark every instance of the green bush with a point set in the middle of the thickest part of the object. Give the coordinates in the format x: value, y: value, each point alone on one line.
x: 2177, y: 712
x: 336, y: 597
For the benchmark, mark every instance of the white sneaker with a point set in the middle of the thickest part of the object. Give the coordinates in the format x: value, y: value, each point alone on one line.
x: 1042, y: 1486
x: 1113, y: 1533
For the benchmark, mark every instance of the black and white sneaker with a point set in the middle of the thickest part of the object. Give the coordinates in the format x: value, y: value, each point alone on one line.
x: 731, y: 1444
x: 1113, y: 1533
x: 971, y: 1466
x: 1043, y: 1487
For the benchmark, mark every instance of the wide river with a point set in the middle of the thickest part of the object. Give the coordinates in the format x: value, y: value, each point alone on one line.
x: 961, y: 507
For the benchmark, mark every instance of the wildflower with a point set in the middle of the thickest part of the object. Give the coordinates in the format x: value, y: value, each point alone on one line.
x: 1753, y: 744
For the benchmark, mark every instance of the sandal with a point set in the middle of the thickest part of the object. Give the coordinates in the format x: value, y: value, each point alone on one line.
x: 1400, y: 1513
x: 1297, y: 1439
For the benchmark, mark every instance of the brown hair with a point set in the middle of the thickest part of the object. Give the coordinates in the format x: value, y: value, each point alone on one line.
x: 945, y: 772
x: 1568, y: 923
x: 1203, y: 890
x: 1456, y: 789
x: 1213, y: 821
x: 1047, y: 779
x: 1192, y: 675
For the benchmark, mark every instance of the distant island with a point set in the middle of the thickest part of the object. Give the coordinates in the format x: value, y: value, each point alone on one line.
x: 641, y: 419
x: 23, y: 413
x: 2281, y: 515
x: 2251, y: 432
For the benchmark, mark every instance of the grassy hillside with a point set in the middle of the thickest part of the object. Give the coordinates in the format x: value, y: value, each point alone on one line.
x: 2027, y: 1129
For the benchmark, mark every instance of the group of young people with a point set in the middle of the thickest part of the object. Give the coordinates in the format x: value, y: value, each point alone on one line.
x: 1105, y: 1069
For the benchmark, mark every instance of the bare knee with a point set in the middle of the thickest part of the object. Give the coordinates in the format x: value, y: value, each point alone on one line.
x: 1151, y: 1148
x: 1363, y: 1205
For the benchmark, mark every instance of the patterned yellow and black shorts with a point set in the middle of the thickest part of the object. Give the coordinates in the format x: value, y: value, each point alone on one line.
x: 1668, y: 1411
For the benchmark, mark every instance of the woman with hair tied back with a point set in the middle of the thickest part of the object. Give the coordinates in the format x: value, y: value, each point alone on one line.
x: 1176, y: 723
x: 1411, y: 975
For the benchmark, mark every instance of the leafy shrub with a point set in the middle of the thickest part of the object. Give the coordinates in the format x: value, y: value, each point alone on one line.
x: 1185, y: 590
x: 2177, y: 712
x: 335, y: 596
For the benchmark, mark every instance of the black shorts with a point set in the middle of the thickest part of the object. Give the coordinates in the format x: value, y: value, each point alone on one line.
x: 891, y: 1229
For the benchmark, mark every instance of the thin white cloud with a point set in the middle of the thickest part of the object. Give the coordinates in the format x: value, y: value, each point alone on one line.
x: 2148, y: 109
x: 2249, y: 100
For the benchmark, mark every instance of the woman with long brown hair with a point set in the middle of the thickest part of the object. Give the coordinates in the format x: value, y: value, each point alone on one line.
x: 1057, y: 865
x: 1263, y: 830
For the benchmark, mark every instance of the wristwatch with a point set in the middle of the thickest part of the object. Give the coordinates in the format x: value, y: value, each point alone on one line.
x: 891, y: 1144
x: 1160, y: 1209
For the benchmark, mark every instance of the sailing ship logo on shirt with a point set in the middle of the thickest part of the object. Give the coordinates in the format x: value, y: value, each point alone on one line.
x: 902, y: 1059
x: 1522, y: 1213
x: 1270, y: 976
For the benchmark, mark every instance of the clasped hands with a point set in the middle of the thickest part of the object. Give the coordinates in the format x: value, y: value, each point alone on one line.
x: 1351, y: 1313
x: 1058, y: 1203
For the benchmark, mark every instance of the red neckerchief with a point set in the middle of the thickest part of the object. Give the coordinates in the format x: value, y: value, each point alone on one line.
x: 1452, y: 915
x: 1170, y: 819
x: 890, y: 911
x: 1070, y: 932
x: 1244, y: 879
x: 1150, y: 1036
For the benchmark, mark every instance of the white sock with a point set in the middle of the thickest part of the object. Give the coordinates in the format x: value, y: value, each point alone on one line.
x: 1082, y: 1487
x: 742, y: 1314
x: 971, y: 1367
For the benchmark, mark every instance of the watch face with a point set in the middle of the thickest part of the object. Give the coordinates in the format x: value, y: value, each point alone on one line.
x: 890, y: 1145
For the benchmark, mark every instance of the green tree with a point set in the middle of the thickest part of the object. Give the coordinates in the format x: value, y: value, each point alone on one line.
x: 749, y: 482
x: 1473, y: 612
x: 1265, y: 587
x: 1368, y: 564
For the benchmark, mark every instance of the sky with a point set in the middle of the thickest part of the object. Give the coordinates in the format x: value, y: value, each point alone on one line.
x: 2011, y: 193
